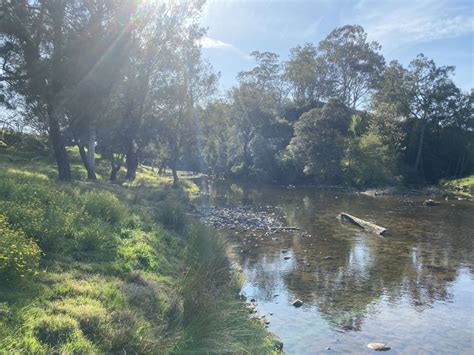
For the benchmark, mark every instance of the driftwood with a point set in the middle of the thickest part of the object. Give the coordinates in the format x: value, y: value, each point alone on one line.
x: 368, y: 226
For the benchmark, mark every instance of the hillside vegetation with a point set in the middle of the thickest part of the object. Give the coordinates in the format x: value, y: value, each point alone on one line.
x: 99, y: 267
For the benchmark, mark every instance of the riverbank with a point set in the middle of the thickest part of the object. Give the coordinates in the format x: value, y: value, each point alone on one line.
x: 96, y: 267
x: 448, y: 189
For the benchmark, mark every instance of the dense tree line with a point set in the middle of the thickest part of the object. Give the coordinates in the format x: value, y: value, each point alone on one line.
x: 128, y: 80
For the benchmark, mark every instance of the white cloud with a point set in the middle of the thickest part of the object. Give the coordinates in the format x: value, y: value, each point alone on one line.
x: 395, y: 24
x: 212, y: 43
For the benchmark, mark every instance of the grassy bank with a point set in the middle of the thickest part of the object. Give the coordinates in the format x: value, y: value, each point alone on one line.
x: 95, y: 267
x: 460, y: 187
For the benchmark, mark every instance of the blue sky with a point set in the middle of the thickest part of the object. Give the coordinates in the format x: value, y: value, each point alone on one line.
x: 441, y: 29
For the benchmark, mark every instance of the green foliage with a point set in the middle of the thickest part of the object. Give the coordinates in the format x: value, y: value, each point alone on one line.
x: 170, y: 212
x: 369, y: 163
x: 105, y: 206
x: 319, y: 141
x: 19, y: 256
x: 136, y: 252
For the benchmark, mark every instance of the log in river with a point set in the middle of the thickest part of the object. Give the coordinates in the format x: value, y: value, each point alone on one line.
x: 368, y: 226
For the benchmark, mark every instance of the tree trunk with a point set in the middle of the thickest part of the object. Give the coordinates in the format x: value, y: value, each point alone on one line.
x: 114, y: 171
x: 85, y: 161
x: 172, y: 165
x: 91, y: 155
x: 131, y: 162
x: 59, y: 148
x: 246, y: 166
x: 419, y: 153
x: 175, y: 176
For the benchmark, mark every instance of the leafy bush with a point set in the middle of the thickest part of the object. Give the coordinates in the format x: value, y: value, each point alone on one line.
x: 136, y: 252
x: 19, y: 256
x: 104, y: 205
x: 370, y: 163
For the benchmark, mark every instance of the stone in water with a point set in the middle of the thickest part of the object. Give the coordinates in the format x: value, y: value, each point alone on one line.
x: 378, y: 346
x: 297, y: 303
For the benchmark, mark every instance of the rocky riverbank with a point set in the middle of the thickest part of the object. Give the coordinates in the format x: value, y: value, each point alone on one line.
x: 245, y: 219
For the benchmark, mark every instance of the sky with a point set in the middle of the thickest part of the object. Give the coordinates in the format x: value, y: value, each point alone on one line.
x: 443, y: 30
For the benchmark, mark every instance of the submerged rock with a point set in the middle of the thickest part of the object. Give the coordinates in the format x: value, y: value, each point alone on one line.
x: 430, y: 203
x: 378, y: 346
x: 297, y: 303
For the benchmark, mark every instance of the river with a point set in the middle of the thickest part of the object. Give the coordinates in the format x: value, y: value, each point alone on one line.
x: 413, y: 289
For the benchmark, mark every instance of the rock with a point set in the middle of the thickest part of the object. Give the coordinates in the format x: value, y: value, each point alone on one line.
x: 378, y: 346
x: 328, y: 348
x: 430, y: 203
x: 297, y: 303
x: 284, y: 251
x: 253, y: 300
x: 328, y: 257
x: 287, y: 257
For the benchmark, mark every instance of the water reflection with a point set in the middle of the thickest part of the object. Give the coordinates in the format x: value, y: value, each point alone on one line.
x: 351, y: 282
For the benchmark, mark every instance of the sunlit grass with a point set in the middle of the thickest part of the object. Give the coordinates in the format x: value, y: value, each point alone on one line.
x: 112, y: 263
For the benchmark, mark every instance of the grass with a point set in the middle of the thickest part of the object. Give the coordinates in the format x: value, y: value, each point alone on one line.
x: 463, y: 187
x: 115, y: 267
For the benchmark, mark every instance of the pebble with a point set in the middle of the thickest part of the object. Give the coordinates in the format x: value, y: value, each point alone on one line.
x: 297, y: 303
x: 378, y: 346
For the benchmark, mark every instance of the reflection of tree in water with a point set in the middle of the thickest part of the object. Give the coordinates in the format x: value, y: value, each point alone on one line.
x: 350, y: 272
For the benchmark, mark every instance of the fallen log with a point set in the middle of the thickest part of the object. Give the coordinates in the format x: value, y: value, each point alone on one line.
x: 368, y: 226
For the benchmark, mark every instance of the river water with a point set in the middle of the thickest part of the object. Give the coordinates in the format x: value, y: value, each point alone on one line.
x: 413, y: 289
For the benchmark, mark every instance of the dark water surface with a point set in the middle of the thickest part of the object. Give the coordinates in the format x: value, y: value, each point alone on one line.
x: 413, y: 289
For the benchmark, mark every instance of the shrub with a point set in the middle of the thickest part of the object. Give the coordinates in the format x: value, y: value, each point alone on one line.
x: 137, y: 253
x: 19, y: 256
x: 95, y: 238
x: 370, y: 162
x: 55, y: 330
x: 104, y: 205
x: 170, y: 212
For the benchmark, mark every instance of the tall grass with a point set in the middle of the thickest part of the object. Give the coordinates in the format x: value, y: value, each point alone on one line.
x: 215, y: 319
x: 104, y: 268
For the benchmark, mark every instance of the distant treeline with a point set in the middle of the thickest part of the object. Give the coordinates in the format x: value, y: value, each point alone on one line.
x: 128, y: 80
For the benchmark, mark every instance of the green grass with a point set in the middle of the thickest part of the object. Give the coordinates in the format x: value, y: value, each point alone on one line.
x: 463, y: 187
x: 118, y: 269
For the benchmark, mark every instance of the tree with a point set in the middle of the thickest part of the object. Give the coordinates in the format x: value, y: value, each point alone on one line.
x: 182, y: 82
x: 354, y: 63
x: 217, y: 135
x: 308, y: 75
x: 319, y: 141
x: 97, y: 57
x: 389, y: 109
x: 33, y: 63
x: 39, y: 54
